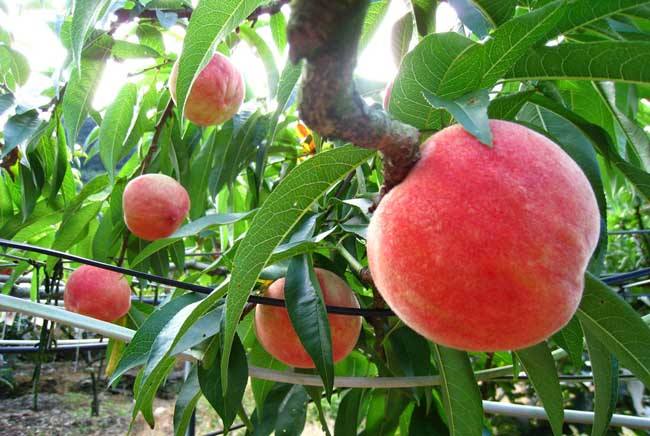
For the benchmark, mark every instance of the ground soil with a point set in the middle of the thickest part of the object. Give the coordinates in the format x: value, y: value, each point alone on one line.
x: 64, y: 406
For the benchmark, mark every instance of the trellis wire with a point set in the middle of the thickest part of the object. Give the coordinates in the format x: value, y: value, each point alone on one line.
x: 614, y: 279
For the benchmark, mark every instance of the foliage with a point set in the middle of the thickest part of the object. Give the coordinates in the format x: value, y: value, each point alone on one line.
x: 265, y: 190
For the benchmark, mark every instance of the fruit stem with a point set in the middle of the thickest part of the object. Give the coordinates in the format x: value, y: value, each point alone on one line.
x: 326, y: 33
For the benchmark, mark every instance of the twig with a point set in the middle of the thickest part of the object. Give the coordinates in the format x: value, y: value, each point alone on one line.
x: 126, y: 15
x: 156, y: 137
x: 326, y: 33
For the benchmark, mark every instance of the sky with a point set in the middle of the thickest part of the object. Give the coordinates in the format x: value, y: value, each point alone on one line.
x: 33, y: 37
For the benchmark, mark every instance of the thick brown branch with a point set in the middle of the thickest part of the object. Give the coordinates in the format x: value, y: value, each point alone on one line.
x: 326, y: 33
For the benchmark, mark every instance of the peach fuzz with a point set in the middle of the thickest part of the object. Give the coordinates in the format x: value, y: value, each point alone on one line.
x: 277, y: 335
x: 154, y: 206
x: 484, y: 249
x: 216, y: 94
x: 98, y: 293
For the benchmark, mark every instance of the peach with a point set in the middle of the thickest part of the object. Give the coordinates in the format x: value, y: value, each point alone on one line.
x: 216, y: 94
x: 484, y: 249
x: 98, y: 293
x: 277, y: 335
x: 154, y: 206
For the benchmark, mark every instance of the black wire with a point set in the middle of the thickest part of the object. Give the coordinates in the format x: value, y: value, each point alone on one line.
x: 183, y: 285
x: 220, y: 432
x: 613, y: 279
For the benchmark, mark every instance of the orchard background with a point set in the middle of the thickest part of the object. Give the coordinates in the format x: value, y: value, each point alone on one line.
x: 285, y: 186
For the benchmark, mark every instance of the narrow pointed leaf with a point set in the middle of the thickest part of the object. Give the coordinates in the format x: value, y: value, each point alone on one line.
x: 540, y: 367
x: 618, y: 61
x: 617, y: 326
x: 304, y: 300
x: 604, y: 367
x: 570, y: 338
x: 460, y: 392
x: 186, y: 401
x: 115, y: 127
x: 86, y: 13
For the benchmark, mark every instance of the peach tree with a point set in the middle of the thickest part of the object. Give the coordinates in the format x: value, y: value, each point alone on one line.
x: 488, y: 175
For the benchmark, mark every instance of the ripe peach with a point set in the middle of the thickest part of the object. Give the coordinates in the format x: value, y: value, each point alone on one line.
x: 216, y: 94
x: 97, y: 292
x: 277, y: 335
x: 154, y: 205
x: 484, y: 249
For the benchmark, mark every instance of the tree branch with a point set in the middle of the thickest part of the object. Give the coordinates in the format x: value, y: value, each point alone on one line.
x: 126, y: 15
x: 326, y: 33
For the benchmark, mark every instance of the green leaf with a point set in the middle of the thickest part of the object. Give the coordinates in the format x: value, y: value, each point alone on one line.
x: 84, y: 18
x: 80, y: 91
x: 200, y: 166
x: 384, y: 409
x: 279, y: 31
x: 226, y: 403
x: 14, y: 68
x: 130, y: 50
x: 374, y: 15
x: 61, y: 166
x: 462, y: 399
x: 283, y: 208
x: 150, y: 36
x: 540, y: 367
x: 292, y: 413
x: 190, y: 229
x: 634, y: 134
x: 19, y: 129
x: 401, y: 37
x: 585, y: 12
x: 264, y: 420
x: 424, y: 12
x: 604, y: 367
x: 72, y: 228
x: 513, y: 39
x: 306, y: 307
x: 349, y: 412
x: 146, y: 391
x: 231, y: 157
x: 426, y: 422
x: 211, y: 21
x: 205, y: 327
x: 599, y: 138
x: 417, y: 74
x: 570, y: 338
x: 617, y: 326
x: 496, y: 11
x: 508, y: 106
x: 286, y: 84
x: 115, y: 127
x: 6, y: 102
x: 618, y: 61
x: 137, y: 351
x: 470, y: 110
x: 186, y: 401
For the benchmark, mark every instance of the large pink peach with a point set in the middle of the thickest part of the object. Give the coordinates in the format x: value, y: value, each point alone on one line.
x: 216, y: 94
x: 154, y: 206
x: 277, y: 335
x: 98, y: 293
x: 484, y: 249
